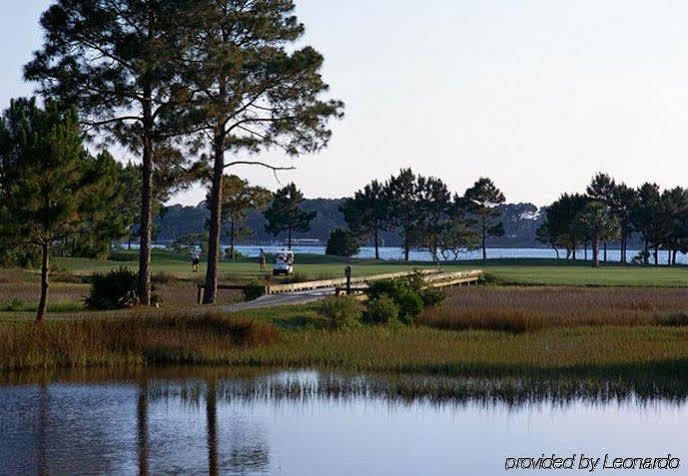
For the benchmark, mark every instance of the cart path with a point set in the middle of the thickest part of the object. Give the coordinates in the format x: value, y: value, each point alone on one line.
x: 275, y: 300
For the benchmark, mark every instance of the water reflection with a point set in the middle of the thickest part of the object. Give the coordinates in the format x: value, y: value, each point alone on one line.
x: 324, y: 423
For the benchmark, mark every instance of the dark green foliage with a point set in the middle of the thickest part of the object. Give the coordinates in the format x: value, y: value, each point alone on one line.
x: 598, y: 223
x: 110, y: 210
x: 114, y: 290
x: 432, y: 296
x: 401, y: 194
x: 647, y: 217
x: 342, y: 243
x: 368, y: 213
x: 403, y: 292
x: 341, y: 312
x: 238, y: 197
x: 285, y: 215
x: 481, y: 202
x: 121, y: 64
x: 13, y: 305
x: 382, y: 310
x: 44, y: 185
x: 254, y: 290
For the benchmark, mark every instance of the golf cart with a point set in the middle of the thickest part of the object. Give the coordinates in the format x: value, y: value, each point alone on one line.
x: 284, y: 263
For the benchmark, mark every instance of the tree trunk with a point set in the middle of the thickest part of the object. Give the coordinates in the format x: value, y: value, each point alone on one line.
x: 605, y: 251
x: 289, y: 240
x: 622, y: 260
x: 211, y: 422
x: 646, y: 251
x: 484, y: 241
x: 142, y: 428
x: 45, y: 269
x: 232, y: 239
x: 377, y: 244
x: 556, y: 251
x: 215, y: 224
x: 673, y: 259
x: 656, y: 254
x: 595, y: 254
x: 146, y: 230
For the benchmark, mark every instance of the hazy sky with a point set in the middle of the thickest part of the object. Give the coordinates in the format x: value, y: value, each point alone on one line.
x: 537, y: 94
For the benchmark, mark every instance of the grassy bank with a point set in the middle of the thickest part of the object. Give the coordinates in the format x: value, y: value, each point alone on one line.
x: 296, y: 337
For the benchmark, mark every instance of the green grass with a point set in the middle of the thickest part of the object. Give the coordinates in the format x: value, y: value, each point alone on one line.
x: 170, y: 340
x: 502, y: 271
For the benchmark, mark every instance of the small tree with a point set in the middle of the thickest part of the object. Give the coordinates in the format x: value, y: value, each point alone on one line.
x: 108, y: 212
x: 43, y: 183
x: 284, y: 214
x: 648, y: 220
x: 599, y: 224
x: 602, y: 189
x: 482, y: 200
x: 238, y: 197
x: 368, y: 213
x: 401, y: 193
x: 342, y: 243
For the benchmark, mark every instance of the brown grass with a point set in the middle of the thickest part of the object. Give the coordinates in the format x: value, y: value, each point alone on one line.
x: 129, y: 341
x: 532, y: 309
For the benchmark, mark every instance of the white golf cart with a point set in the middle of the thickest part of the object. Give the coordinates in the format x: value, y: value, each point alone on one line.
x: 284, y: 263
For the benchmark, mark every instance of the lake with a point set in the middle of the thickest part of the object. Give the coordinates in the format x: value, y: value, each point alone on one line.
x: 392, y: 253
x: 321, y: 423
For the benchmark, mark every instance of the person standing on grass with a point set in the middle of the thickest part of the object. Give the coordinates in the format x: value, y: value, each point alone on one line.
x: 195, y: 261
x: 262, y: 258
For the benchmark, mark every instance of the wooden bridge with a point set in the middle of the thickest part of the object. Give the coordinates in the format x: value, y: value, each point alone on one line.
x: 435, y: 278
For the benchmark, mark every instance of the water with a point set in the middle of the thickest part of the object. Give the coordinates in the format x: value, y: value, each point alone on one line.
x: 392, y: 253
x: 310, y: 423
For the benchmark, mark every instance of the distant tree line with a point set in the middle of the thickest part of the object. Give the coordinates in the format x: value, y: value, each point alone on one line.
x: 611, y: 212
x: 427, y: 215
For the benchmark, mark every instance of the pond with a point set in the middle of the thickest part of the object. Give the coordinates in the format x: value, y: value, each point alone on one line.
x: 208, y: 421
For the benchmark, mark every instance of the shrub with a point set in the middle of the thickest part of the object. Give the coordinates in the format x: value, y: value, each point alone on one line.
x: 432, y: 296
x: 410, y: 306
x: 115, y: 290
x: 14, y: 305
x: 341, y: 311
x: 122, y: 256
x: 342, y: 243
x: 382, y: 310
x: 402, y: 293
x: 253, y: 290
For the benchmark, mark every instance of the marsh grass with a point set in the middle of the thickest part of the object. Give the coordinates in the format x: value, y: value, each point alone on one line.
x: 518, y: 309
x: 129, y: 341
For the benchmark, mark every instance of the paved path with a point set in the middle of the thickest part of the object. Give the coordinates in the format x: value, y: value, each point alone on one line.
x: 275, y: 300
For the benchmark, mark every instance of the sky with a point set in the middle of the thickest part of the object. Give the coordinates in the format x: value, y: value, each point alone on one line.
x: 536, y: 94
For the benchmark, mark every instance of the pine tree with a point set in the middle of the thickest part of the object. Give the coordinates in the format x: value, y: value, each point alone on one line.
x: 401, y: 191
x: 284, y: 214
x: 120, y: 63
x: 368, y: 213
x: 253, y: 90
x: 238, y: 197
x: 482, y: 200
x: 599, y: 224
x: 43, y: 182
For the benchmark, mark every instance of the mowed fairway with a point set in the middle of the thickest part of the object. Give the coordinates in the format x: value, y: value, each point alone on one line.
x: 500, y: 271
